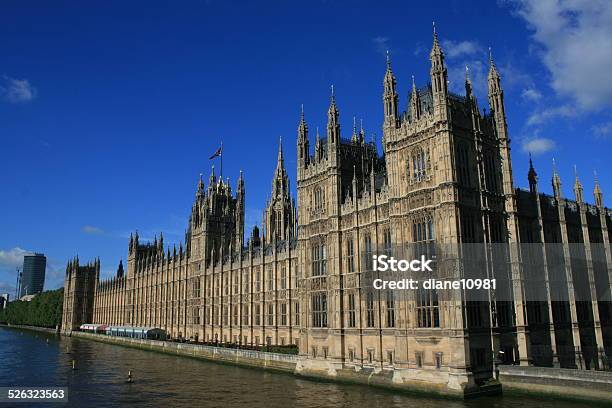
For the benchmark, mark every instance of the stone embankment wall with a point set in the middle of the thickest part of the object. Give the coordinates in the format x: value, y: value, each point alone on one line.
x: 554, y: 382
x: 250, y: 358
x: 558, y: 382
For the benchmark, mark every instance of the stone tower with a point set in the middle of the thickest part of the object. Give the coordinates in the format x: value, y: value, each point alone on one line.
x: 217, y: 220
x: 280, y: 214
x: 79, y: 291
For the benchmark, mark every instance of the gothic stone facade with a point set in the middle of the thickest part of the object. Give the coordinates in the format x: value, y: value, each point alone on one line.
x: 445, y: 176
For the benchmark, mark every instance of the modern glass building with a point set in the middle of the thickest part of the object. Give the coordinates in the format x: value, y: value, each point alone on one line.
x: 33, y: 276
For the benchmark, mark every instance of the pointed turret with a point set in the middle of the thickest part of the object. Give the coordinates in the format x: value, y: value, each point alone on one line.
x: 496, y: 99
x: 303, y: 147
x: 361, y: 132
x: 390, y: 97
x: 469, y: 89
x: 333, y: 124
x: 211, y: 181
x: 532, y: 177
x: 280, y: 182
x: 354, y: 136
x: 578, y: 190
x: 415, y: 103
x: 439, y: 79
x: 200, y: 190
x: 556, y: 182
x: 597, y: 194
x: 278, y: 221
x: 120, y: 271
x: 318, y: 147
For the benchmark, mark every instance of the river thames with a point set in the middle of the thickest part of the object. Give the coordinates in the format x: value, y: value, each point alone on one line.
x: 37, y: 359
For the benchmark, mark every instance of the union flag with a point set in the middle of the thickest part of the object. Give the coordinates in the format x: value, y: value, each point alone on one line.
x: 217, y: 153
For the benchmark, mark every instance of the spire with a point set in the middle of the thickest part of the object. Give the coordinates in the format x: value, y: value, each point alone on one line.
x: 556, y: 181
x: 415, y: 103
x: 279, y: 160
x: 211, y: 182
x: 496, y: 99
x: 361, y: 132
x: 468, y: 83
x: 532, y: 176
x: 333, y: 126
x: 494, y: 79
x: 390, y: 96
x: 302, y: 127
x: 354, y: 137
x: 303, y: 147
x: 436, y: 51
x: 597, y: 194
x: 120, y: 269
x: 578, y: 190
x: 439, y: 79
x: 492, y: 68
x: 200, y: 184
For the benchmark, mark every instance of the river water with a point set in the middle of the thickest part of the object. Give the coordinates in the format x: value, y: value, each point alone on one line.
x: 35, y: 359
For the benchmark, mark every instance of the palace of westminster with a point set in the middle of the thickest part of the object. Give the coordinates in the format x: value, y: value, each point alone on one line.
x: 444, y: 178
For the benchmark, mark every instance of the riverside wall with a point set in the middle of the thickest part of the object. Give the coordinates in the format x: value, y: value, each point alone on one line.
x: 542, y: 381
x: 558, y: 382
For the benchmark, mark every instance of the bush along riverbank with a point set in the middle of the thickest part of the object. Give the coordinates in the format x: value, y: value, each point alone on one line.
x: 44, y: 310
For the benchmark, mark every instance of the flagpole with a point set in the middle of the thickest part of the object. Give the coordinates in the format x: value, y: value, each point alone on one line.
x: 221, y: 158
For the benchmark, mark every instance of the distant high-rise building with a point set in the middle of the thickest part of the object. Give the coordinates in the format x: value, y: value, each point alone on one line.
x: 33, y: 275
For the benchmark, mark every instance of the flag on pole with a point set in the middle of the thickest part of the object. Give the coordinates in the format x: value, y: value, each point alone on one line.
x: 217, y: 153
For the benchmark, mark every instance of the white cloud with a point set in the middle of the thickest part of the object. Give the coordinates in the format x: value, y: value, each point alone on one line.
x: 538, y: 145
x: 478, y: 75
x: 381, y: 44
x: 603, y: 129
x: 89, y: 229
x: 574, y: 39
x: 12, y: 258
x: 541, y: 116
x: 16, y: 90
x: 531, y: 94
x: 455, y: 49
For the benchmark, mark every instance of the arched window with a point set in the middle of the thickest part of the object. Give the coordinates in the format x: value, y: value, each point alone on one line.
x: 423, y: 229
x: 319, y: 259
x: 319, y: 199
x: 419, y: 165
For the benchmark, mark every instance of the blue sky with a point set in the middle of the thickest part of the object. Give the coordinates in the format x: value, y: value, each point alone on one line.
x: 110, y: 110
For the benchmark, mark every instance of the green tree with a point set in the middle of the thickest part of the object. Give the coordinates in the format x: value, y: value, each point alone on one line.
x: 44, y: 310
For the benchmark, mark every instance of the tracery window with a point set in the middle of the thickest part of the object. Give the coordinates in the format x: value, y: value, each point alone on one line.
x: 418, y: 165
x: 319, y: 259
x: 370, y: 316
x: 350, y: 255
x: 351, y: 310
x: 319, y: 309
x: 283, y: 277
x: 390, y: 308
x: 423, y: 229
x: 318, y: 199
x: 428, y: 308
